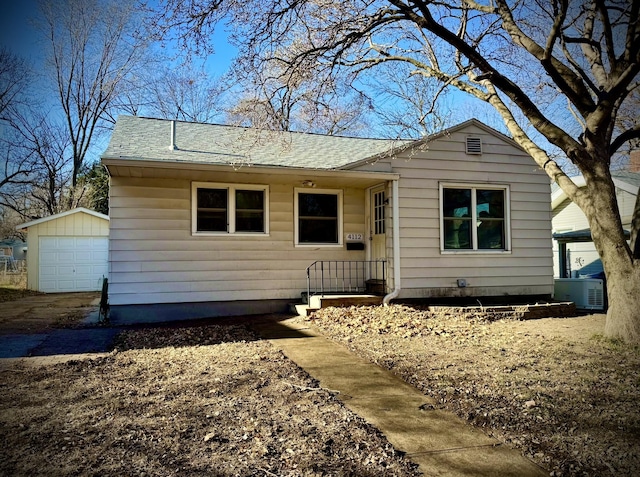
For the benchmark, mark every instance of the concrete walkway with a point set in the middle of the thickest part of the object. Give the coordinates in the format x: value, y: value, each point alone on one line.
x: 438, y: 441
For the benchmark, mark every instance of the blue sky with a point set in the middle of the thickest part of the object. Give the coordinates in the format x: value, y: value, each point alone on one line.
x: 18, y: 34
x: 16, y: 31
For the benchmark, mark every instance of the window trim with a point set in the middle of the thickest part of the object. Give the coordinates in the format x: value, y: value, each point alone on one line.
x: 296, y: 220
x: 231, y: 208
x: 474, y: 219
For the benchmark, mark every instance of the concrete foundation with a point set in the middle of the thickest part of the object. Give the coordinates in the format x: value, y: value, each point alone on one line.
x: 166, y: 312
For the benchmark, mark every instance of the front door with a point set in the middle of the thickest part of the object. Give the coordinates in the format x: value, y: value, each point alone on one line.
x: 378, y: 237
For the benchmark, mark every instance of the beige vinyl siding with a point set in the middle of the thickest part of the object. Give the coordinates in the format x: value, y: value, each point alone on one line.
x: 74, y: 225
x: 155, y: 258
x: 626, y: 204
x: 426, y: 271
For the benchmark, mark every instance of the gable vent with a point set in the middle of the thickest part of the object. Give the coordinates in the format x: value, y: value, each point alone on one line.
x: 474, y: 145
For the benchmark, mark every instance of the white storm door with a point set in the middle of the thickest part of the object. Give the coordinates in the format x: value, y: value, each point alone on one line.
x: 378, y: 228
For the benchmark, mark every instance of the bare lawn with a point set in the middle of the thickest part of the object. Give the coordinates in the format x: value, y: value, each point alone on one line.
x: 554, y: 387
x: 204, y: 400
x: 216, y: 400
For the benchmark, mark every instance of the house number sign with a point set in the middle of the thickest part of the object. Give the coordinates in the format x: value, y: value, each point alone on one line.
x: 354, y: 237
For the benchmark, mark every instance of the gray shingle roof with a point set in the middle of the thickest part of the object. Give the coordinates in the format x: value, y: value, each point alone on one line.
x: 150, y: 139
x: 632, y: 178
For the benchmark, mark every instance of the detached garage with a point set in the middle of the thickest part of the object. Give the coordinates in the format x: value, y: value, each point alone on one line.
x: 67, y: 252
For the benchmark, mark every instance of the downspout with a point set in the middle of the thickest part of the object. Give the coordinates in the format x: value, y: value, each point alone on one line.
x: 395, y: 206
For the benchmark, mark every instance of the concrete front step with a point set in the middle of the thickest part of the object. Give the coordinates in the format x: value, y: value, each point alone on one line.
x: 324, y: 301
x: 301, y: 309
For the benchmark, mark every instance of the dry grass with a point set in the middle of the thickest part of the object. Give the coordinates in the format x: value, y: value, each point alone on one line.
x: 214, y: 400
x: 12, y: 293
x: 206, y: 400
x: 552, y: 387
x: 14, y: 280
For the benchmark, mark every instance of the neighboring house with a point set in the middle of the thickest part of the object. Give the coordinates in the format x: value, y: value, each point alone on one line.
x: 12, y: 255
x: 231, y: 218
x: 13, y: 248
x: 572, y: 237
x: 68, y: 252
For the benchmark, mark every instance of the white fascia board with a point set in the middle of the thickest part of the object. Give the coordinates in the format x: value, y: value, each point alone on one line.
x: 60, y: 215
x: 558, y: 196
x: 284, y: 171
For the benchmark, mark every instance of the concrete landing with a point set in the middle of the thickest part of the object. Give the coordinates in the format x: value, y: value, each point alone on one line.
x: 323, y: 301
x: 438, y: 441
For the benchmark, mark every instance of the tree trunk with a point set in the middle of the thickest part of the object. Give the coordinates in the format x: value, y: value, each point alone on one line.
x: 621, y: 269
x: 623, y: 315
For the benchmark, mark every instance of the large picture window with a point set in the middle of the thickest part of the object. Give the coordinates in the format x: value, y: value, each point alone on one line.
x: 318, y: 217
x: 474, y: 217
x: 229, y: 208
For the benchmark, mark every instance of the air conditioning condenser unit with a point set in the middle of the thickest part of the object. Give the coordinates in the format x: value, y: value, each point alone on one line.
x: 586, y: 293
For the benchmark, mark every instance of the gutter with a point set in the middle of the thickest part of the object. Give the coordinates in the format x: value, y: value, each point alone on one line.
x: 249, y: 169
x: 396, y: 244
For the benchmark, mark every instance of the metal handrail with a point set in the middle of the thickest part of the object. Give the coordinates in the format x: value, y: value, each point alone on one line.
x: 343, y: 276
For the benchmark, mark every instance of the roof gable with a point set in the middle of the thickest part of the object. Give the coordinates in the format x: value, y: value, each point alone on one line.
x: 627, y: 180
x: 62, y: 214
x: 467, y: 124
x: 400, y: 147
x: 623, y: 180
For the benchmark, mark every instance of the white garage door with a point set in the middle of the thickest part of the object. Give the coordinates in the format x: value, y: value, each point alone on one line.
x: 69, y: 264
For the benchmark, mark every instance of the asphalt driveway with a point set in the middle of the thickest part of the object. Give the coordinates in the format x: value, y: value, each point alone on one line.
x: 55, y: 324
x: 38, y: 312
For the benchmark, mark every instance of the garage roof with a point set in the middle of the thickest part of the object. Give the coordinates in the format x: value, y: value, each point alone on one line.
x: 60, y: 215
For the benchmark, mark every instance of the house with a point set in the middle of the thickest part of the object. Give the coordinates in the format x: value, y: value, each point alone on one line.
x: 573, y: 250
x: 13, y: 254
x: 210, y: 220
x: 578, y: 272
x: 13, y: 248
x: 68, y: 252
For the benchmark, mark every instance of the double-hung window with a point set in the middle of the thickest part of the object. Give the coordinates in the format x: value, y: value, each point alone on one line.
x: 474, y: 218
x: 318, y: 217
x: 229, y: 208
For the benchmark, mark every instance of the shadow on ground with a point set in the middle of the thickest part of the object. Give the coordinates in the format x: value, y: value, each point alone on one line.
x: 90, y: 337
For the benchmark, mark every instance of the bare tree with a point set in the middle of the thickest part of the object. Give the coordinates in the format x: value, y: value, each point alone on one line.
x: 92, y: 49
x: 409, y: 105
x: 185, y: 93
x: 44, y: 144
x: 266, y: 102
x: 9, y: 219
x: 563, y: 69
x: 13, y: 81
x: 95, y: 182
x: 15, y: 167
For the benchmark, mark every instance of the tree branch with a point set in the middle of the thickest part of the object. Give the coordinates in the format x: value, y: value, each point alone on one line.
x: 607, y: 32
x: 567, y: 81
x: 627, y: 135
x: 552, y: 132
